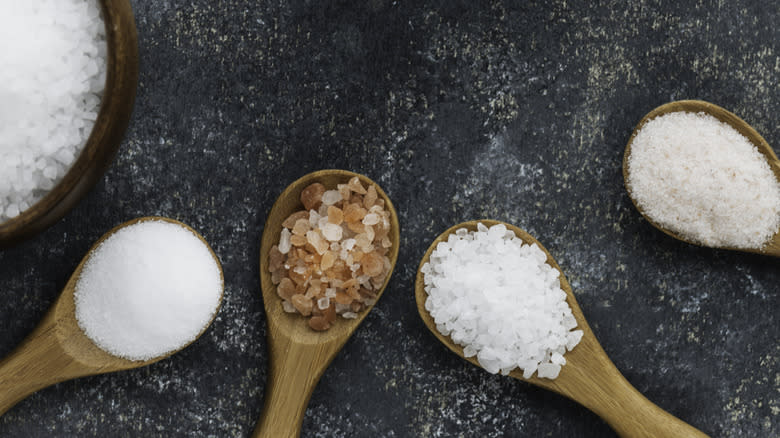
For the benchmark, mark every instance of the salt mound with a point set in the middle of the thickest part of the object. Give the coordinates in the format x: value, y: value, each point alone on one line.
x: 700, y: 178
x: 498, y: 298
x: 147, y: 290
x: 53, y: 73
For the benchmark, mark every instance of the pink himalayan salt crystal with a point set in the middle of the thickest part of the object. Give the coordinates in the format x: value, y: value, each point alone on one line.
x: 316, y: 240
x: 356, y: 186
x: 371, y: 197
x: 354, y: 213
x: 327, y: 260
x: 285, y: 289
x: 344, y: 190
x: 288, y: 307
x: 290, y: 221
x: 323, y: 303
x: 332, y: 232
x: 311, y: 196
x: 314, y: 218
x: 371, y: 219
x: 301, y: 227
x: 297, y: 240
x: 335, y: 215
x: 284, y: 241
x: 302, y: 304
x: 331, y: 197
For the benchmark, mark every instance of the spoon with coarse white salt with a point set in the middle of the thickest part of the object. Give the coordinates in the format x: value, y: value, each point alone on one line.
x: 702, y: 175
x: 299, y: 355
x: 147, y: 289
x: 587, y: 375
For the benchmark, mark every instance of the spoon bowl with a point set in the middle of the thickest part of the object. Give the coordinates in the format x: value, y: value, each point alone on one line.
x: 116, y: 107
x: 589, y: 376
x: 298, y: 354
x: 59, y: 350
x: 729, y: 118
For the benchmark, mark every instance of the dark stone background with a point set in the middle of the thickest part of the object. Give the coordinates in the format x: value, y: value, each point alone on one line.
x: 459, y: 109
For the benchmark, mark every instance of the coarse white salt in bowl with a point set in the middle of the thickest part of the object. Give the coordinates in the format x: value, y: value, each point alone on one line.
x: 147, y: 290
x: 51, y: 84
x: 499, y: 299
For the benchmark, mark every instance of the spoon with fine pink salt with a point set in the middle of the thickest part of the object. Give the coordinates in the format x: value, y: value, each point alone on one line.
x: 147, y: 289
x: 586, y: 375
x: 702, y: 175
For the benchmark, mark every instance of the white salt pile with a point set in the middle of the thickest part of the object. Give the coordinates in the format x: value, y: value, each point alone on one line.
x: 53, y: 58
x: 147, y: 290
x: 500, y: 300
x: 701, y: 179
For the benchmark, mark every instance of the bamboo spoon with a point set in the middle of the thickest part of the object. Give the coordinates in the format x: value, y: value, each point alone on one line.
x: 298, y: 354
x: 697, y: 106
x: 58, y: 350
x: 589, y: 377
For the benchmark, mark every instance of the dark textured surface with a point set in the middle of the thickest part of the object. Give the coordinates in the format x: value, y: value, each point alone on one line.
x: 517, y: 111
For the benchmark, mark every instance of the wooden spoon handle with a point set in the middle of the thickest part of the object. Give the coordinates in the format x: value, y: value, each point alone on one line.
x: 592, y: 380
x: 634, y: 416
x: 35, y: 364
x: 294, y: 371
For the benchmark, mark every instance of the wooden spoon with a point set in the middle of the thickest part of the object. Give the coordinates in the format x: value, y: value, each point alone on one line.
x: 700, y: 106
x: 58, y: 350
x: 589, y: 377
x: 298, y: 354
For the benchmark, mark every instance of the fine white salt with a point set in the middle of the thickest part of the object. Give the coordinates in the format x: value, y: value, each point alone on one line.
x: 53, y: 58
x: 498, y: 298
x: 147, y: 290
x: 700, y: 178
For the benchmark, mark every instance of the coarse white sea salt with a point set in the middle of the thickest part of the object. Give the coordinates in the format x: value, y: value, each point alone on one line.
x: 700, y: 178
x: 53, y: 58
x: 148, y: 289
x: 498, y: 298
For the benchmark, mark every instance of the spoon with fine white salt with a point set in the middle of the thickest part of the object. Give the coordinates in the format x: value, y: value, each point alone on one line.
x: 704, y: 218
x: 58, y: 349
x: 589, y: 377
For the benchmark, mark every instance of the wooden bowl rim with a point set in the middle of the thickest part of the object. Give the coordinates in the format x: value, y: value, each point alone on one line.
x: 103, y: 142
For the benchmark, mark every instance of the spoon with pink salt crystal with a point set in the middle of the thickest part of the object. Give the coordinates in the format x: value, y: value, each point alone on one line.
x: 588, y: 377
x: 298, y: 354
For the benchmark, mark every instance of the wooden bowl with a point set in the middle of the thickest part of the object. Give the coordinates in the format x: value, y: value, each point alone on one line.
x: 115, y: 109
